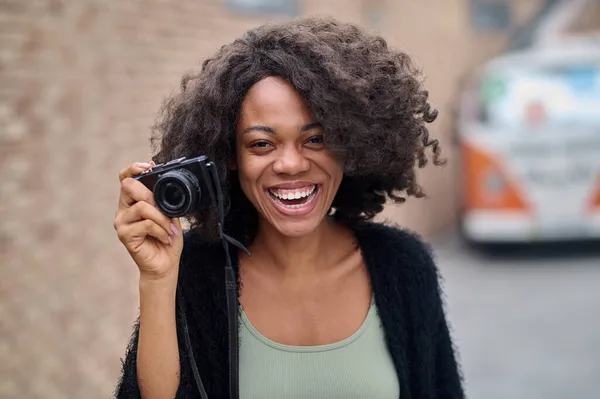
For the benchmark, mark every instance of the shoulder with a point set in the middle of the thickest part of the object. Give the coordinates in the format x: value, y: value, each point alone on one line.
x: 395, y: 244
x: 401, y: 258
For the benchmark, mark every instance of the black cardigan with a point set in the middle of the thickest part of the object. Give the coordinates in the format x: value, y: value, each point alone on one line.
x: 406, y: 286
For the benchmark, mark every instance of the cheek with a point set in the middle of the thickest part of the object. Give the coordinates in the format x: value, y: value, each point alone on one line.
x: 339, y: 168
x: 249, y: 172
x: 337, y: 180
x: 335, y: 169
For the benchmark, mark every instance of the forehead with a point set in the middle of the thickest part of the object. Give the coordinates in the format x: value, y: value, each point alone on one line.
x: 274, y: 101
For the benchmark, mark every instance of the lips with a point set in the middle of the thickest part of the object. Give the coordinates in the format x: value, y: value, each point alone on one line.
x: 294, y: 199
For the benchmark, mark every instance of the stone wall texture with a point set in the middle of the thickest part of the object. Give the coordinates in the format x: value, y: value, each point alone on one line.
x: 80, y: 85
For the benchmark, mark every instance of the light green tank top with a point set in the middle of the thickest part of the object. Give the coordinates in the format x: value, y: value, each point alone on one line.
x: 359, y: 366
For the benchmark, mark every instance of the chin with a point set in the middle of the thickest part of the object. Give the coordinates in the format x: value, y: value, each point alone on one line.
x: 296, y: 229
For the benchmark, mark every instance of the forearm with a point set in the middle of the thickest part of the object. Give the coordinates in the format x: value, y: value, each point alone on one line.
x: 158, y: 354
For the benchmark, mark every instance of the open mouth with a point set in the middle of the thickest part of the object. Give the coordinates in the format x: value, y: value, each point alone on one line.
x: 294, y: 198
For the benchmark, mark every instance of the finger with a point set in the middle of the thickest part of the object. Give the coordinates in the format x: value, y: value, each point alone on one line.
x: 143, y: 210
x: 177, y: 237
x: 177, y: 223
x: 175, y: 228
x: 133, y: 191
x: 135, y: 169
x: 139, y: 231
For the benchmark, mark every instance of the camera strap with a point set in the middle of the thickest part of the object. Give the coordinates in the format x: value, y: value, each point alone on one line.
x: 231, y: 291
x: 232, y: 313
x: 188, y: 344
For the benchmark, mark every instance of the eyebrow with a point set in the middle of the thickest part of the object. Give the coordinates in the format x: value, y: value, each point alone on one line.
x: 267, y: 129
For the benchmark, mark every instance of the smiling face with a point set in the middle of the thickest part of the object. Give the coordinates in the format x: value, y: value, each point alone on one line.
x: 284, y: 168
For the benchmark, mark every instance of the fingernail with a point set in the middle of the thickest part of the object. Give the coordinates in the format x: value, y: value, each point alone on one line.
x: 174, y: 229
x: 144, y: 165
x: 170, y: 241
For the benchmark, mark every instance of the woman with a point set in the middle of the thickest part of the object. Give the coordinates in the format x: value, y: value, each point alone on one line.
x: 312, y: 124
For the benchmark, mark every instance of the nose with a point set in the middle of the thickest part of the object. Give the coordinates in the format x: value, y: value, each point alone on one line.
x: 291, y: 161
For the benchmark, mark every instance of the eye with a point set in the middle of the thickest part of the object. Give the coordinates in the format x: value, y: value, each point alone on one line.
x: 317, y: 140
x: 260, y: 144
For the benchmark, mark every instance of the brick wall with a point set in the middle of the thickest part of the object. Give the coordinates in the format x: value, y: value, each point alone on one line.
x: 80, y: 83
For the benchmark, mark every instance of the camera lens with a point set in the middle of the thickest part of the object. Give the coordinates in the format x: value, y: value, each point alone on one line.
x: 174, y: 195
x: 177, y: 192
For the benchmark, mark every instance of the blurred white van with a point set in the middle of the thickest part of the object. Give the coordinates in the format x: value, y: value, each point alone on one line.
x: 528, y: 127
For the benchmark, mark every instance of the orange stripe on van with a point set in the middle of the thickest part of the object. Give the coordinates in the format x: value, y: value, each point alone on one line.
x: 477, y: 166
x: 595, y: 200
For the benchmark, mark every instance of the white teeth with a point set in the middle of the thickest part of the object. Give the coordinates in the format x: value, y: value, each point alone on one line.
x: 293, y: 195
x: 308, y: 194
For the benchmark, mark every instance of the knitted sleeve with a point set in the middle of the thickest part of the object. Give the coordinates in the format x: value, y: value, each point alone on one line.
x: 447, y: 379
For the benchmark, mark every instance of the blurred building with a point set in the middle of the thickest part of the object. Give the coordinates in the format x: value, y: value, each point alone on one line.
x: 80, y: 84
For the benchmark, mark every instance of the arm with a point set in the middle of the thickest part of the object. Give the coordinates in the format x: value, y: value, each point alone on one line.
x: 443, y: 379
x: 155, y: 243
x: 448, y: 379
x: 151, y: 367
x: 158, y: 354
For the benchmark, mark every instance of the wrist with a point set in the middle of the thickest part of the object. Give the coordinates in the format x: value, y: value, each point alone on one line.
x: 152, y: 282
x: 158, y: 298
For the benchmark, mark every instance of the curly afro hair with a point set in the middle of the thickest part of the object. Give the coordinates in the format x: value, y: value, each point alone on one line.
x: 368, y: 98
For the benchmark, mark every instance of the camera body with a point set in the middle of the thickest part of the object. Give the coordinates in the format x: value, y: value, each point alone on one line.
x: 181, y: 186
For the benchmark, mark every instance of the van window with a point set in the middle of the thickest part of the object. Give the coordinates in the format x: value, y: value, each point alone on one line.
x: 554, y: 97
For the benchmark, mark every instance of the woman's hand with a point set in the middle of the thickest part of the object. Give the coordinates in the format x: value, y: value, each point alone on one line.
x: 153, y: 240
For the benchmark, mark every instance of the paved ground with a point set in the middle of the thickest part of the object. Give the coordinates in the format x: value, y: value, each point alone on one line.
x: 527, y: 325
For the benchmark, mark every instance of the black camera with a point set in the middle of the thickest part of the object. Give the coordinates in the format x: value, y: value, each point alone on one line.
x: 181, y: 186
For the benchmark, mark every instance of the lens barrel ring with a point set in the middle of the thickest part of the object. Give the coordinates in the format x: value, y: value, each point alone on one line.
x: 177, y: 192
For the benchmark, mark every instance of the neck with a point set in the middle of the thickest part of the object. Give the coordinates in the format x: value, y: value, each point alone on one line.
x: 293, y: 255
